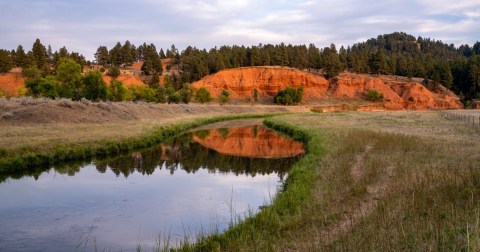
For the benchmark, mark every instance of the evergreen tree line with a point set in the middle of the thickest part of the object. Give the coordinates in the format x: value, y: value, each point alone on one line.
x: 396, y: 53
x: 128, y: 53
x: 40, y: 57
x: 391, y: 54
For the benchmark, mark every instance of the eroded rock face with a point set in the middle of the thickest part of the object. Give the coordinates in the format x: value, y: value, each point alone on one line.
x: 399, y: 93
x: 250, y: 141
x: 241, y: 82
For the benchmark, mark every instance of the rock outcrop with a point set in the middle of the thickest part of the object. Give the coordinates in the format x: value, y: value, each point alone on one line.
x: 241, y: 82
x: 399, y: 92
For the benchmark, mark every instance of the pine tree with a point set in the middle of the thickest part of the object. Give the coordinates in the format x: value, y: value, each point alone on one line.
x: 6, y: 62
x: 21, y: 59
x: 331, y: 62
x: 378, y: 63
x: 474, y: 74
x: 49, y: 54
x: 313, y: 57
x: 116, y: 55
x: 39, y: 54
x: 162, y: 54
x: 101, y: 56
x: 127, y: 57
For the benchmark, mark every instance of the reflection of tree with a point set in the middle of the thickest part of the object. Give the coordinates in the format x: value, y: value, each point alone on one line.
x: 183, y: 153
x: 224, y: 132
x: 202, y: 134
x: 69, y: 168
x: 179, y: 153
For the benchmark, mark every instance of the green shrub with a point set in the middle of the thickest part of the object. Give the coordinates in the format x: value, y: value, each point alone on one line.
x: 114, y: 72
x: 224, y: 97
x: 374, y: 95
x: 289, y: 96
x: 255, y: 95
x: 161, y: 94
x: 116, y: 91
x: 143, y: 93
x: 174, y: 98
x: 203, y: 95
x: 186, y: 93
x: 43, y: 87
x: 95, y: 86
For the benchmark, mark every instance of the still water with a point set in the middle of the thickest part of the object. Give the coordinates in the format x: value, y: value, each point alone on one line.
x: 195, y: 183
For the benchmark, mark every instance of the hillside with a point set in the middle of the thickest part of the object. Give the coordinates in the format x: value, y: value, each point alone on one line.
x: 399, y: 92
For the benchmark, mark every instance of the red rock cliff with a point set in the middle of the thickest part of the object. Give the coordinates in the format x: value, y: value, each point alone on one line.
x: 399, y: 93
x: 268, y: 80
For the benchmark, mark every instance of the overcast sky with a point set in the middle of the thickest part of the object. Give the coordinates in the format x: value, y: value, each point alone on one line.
x: 83, y: 25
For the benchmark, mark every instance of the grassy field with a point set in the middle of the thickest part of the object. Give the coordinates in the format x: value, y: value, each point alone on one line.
x: 370, y: 181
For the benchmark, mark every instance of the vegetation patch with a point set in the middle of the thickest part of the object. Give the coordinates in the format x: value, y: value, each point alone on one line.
x: 374, y: 96
x: 289, y: 96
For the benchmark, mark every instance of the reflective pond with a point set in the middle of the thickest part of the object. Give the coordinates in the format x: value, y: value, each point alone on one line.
x: 195, y: 183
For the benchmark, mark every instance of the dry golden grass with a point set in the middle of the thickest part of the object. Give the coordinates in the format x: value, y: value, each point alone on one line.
x: 418, y: 189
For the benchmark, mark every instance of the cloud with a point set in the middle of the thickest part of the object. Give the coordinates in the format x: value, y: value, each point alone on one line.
x: 83, y: 26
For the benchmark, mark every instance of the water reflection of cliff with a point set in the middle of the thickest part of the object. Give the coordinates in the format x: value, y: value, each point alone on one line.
x: 250, y: 141
x: 248, y: 150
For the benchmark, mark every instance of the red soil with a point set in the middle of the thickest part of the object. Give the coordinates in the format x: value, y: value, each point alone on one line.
x: 128, y: 80
x: 10, y: 83
x: 136, y: 65
x: 268, y: 81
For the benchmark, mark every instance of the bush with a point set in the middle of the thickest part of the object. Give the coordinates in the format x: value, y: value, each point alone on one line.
x: 161, y: 94
x: 255, y: 95
x: 374, y: 95
x: 31, y: 72
x: 43, y: 87
x: 203, y: 95
x: 289, y: 96
x: 174, y: 98
x: 114, y: 72
x: 143, y: 93
x: 95, y: 86
x: 186, y: 93
x: 223, y: 97
x: 116, y: 91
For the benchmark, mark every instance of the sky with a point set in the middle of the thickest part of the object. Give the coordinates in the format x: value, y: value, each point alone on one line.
x: 84, y: 25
